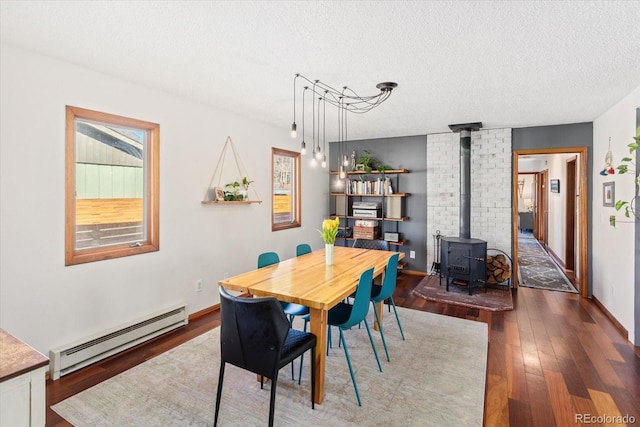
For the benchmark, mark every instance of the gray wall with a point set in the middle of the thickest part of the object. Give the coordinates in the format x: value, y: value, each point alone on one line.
x: 561, y: 136
x: 410, y: 153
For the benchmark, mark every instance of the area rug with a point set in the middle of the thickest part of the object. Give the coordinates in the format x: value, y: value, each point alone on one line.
x: 493, y: 299
x: 537, y: 269
x: 435, y: 378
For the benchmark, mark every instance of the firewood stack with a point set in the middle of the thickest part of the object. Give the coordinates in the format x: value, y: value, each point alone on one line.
x: 498, y: 269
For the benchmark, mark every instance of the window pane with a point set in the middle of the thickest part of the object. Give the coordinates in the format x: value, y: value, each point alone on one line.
x: 113, y: 192
x: 285, y: 189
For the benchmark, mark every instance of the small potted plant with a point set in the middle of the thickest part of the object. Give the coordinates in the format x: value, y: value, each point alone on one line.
x: 237, y: 190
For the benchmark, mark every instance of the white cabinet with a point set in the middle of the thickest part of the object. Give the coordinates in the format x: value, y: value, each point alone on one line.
x: 22, y: 383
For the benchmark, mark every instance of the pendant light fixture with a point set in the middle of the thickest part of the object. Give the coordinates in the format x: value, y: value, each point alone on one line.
x: 346, y: 100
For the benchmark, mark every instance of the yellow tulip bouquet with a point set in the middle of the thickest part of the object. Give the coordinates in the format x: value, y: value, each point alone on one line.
x: 329, y: 230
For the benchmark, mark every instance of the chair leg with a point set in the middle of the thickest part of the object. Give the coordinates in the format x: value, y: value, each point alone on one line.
x: 353, y: 378
x: 395, y: 310
x: 272, y: 403
x: 384, y: 342
x: 375, y: 352
x: 293, y: 378
x: 302, y: 356
x: 219, y: 394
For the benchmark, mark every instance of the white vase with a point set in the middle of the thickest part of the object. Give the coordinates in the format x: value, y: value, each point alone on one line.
x: 328, y: 253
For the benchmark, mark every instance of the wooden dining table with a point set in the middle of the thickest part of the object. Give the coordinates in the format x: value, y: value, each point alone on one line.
x: 307, y: 280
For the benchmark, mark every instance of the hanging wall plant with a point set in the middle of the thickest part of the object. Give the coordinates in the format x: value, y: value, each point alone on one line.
x: 628, y: 166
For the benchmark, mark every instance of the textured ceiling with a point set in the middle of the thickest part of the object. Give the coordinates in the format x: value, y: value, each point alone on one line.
x: 506, y: 64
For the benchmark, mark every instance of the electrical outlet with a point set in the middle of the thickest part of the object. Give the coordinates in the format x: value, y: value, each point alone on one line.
x: 412, y: 254
x: 199, y: 285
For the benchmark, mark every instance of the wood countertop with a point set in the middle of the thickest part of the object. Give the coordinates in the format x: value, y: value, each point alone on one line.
x: 17, y: 358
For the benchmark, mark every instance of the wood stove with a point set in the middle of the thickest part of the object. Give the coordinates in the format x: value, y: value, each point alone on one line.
x: 463, y: 262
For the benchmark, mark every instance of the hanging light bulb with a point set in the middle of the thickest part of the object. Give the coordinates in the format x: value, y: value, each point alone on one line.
x: 318, y: 150
x: 303, y: 145
x: 294, y: 127
x: 342, y: 174
x: 324, y: 132
x: 345, y: 160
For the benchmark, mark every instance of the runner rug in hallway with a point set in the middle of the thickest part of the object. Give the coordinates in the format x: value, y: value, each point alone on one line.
x: 537, y: 269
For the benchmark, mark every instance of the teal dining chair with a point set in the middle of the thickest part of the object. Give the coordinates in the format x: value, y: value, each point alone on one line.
x: 380, y: 293
x: 290, y: 309
x: 302, y: 249
x: 344, y: 316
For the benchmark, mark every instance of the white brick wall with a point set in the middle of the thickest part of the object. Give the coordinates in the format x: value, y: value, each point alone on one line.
x: 490, y: 187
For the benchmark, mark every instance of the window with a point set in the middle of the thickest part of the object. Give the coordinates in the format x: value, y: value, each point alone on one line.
x: 112, y: 168
x: 285, y: 189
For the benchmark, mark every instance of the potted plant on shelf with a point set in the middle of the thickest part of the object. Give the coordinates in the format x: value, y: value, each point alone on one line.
x: 237, y: 190
x: 366, y: 160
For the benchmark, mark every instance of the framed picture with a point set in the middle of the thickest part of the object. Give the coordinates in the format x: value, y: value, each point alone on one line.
x: 609, y: 194
x: 360, y: 167
x: 219, y: 193
x: 555, y: 185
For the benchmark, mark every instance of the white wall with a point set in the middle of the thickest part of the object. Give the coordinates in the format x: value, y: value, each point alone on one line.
x: 557, y: 204
x: 528, y: 191
x: 613, y: 247
x: 47, y: 304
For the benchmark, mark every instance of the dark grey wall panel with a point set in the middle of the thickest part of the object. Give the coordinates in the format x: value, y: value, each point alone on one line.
x: 410, y: 153
x: 573, y: 135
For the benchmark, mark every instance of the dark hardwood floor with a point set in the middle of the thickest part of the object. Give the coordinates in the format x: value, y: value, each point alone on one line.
x: 554, y: 360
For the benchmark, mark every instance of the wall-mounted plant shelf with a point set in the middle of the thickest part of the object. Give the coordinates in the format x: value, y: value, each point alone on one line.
x: 230, y: 202
x: 236, y: 192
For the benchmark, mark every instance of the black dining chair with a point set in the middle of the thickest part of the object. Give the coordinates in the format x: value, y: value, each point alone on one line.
x: 255, y: 335
x: 291, y: 309
x: 381, y: 245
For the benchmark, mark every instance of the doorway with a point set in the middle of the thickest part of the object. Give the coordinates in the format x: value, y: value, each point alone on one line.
x: 570, y: 213
x: 546, y: 217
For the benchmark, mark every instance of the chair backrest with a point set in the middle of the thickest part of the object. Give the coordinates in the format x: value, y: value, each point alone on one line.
x: 268, y: 258
x: 252, y: 332
x: 390, y: 277
x: 381, y: 245
x: 302, y: 249
x: 361, y: 299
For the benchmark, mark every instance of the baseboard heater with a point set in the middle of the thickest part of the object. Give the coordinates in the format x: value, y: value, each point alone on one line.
x: 71, y: 357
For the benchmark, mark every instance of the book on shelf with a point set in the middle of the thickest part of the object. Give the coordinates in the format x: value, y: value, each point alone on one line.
x: 377, y: 187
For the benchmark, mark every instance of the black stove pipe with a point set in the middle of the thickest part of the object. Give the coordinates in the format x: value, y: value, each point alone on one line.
x: 465, y: 130
x: 465, y: 184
